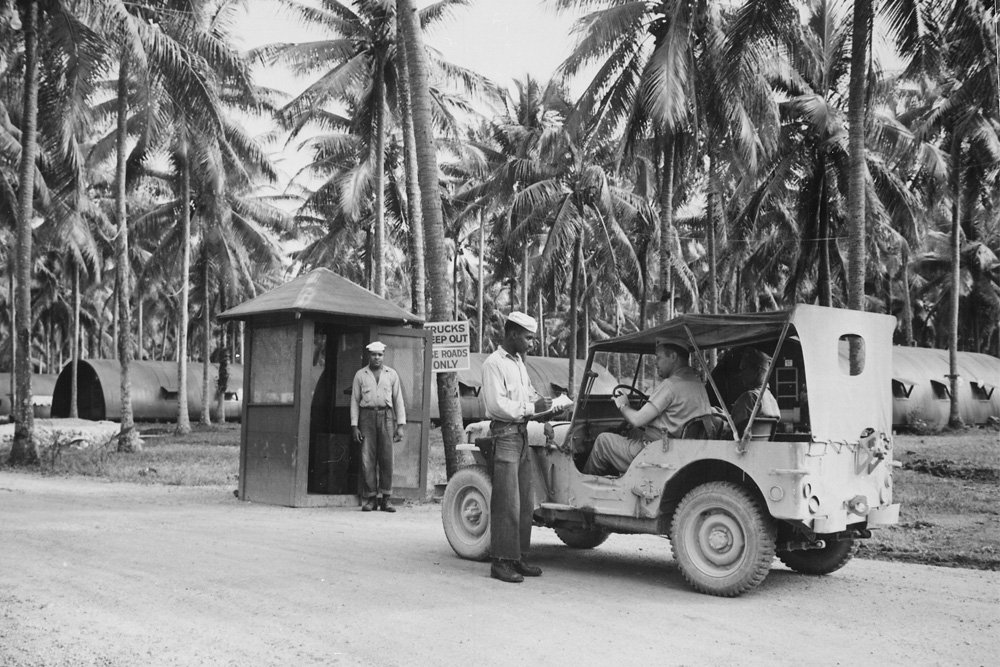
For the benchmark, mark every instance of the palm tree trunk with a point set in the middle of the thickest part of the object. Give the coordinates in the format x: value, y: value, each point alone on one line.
x: 183, y: 417
x: 666, y: 231
x: 525, y: 304
x: 714, y: 215
x: 138, y: 307
x: 378, y: 261
x: 223, y: 383
x: 714, y: 204
x: 128, y: 438
x: 954, y: 416
x: 13, y: 339
x: 907, y: 300
x: 542, y: 348
x: 74, y: 410
x: 206, y: 339
x: 454, y: 280
x: 574, y: 298
x: 823, y: 212
x: 418, y: 289
x: 24, y: 449
x: 857, y: 103
x: 482, y: 277
x: 450, y: 407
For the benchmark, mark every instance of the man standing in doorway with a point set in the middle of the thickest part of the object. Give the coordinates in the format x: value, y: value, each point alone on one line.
x: 510, y: 402
x: 377, y: 419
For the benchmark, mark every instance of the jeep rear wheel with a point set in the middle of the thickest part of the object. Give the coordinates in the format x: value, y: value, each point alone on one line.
x: 832, y: 557
x: 465, y: 512
x: 722, y: 539
x: 587, y: 538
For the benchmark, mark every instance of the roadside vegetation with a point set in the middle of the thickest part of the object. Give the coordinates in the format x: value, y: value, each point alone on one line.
x: 949, y: 484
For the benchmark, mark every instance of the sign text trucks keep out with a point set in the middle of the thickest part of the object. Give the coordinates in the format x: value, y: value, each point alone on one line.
x: 450, y: 351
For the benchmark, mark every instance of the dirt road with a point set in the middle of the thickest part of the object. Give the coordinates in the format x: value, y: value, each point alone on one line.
x: 123, y: 575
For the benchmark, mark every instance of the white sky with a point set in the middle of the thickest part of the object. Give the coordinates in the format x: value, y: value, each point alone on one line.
x: 500, y: 39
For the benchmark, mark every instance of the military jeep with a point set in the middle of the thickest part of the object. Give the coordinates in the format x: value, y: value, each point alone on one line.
x: 729, y: 496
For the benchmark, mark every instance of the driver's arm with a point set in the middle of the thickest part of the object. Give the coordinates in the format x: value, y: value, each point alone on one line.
x: 640, y: 417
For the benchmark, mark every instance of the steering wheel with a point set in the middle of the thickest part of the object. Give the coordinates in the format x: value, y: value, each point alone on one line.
x: 631, y: 391
x: 625, y: 426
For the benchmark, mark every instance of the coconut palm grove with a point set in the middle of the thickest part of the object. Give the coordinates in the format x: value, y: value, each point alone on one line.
x: 695, y: 156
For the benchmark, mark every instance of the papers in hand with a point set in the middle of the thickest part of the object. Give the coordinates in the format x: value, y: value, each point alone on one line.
x: 561, y: 402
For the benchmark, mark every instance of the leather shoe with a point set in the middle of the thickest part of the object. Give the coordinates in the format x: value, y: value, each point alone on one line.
x: 369, y: 505
x: 527, y: 570
x: 385, y: 505
x: 504, y: 570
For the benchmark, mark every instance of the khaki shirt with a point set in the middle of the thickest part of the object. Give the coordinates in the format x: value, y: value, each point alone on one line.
x: 507, y: 390
x: 744, y: 406
x: 366, y: 393
x: 679, y: 399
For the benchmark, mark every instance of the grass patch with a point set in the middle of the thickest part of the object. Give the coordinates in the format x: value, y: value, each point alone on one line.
x: 208, y: 456
x: 950, y: 502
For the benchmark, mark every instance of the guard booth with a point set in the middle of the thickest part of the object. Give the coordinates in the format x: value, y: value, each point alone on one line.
x: 305, y: 341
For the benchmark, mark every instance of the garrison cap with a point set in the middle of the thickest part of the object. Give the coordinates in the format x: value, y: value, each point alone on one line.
x: 523, y: 320
x: 676, y: 341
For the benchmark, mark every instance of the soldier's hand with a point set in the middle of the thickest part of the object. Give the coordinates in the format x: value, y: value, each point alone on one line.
x: 399, y: 433
x: 542, y: 404
x: 357, y: 434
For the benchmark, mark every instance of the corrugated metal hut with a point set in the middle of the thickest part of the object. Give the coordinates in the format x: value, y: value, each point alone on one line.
x: 549, y: 375
x: 42, y: 386
x: 921, y: 389
x: 154, y: 390
x: 306, y: 340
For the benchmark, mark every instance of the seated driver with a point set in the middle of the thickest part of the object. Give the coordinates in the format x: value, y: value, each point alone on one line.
x: 679, y: 397
x: 753, y: 371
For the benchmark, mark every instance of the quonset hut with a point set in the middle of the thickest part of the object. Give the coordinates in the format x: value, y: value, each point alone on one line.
x: 921, y: 389
x: 42, y: 385
x: 154, y: 390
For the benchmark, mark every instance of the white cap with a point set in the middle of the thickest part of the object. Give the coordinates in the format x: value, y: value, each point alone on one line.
x: 377, y: 346
x: 523, y: 320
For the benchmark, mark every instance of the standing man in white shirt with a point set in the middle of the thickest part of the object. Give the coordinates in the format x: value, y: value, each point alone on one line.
x: 510, y: 403
x: 377, y: 419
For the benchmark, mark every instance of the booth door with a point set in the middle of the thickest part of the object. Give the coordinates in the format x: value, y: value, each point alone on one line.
x: 408, y: 352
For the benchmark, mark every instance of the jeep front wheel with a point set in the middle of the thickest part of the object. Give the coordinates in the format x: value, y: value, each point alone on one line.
x: 465, y: 512
x: 587, y: 538
x: 722, y: 539
x: 832, y: 557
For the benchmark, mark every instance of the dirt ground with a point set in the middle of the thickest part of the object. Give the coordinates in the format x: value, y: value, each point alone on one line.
x: 106, y: 574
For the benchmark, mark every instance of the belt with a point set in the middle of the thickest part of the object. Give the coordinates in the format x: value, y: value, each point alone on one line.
x: 378, y: 409
x: 496, y: 424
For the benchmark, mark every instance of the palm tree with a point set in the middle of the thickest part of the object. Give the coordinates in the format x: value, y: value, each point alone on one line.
x: 663, y: 69
x: 361, y: 65
x: 24, y: 449
x: 966, y: 115
x: 430, y: 202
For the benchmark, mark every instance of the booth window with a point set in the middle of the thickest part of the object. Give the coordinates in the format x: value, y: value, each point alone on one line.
x: 982, y: 392
x: 272, y: 374
x: 941, y: 392
x: 847, y: 344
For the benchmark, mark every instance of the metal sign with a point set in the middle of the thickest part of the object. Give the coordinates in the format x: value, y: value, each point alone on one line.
x: 450, y: 346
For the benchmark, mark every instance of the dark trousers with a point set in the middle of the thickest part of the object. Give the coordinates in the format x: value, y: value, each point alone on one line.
x: 511, y: 504
x: 377, y: 430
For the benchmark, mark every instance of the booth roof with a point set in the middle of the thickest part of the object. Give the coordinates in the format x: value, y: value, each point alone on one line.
x: 324, y: 292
